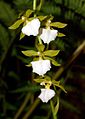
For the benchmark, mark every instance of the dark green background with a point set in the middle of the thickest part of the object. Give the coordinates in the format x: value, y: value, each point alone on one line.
x: 15, y: 76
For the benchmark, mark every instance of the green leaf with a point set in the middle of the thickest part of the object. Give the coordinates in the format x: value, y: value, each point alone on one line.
x: 23, y: 59
x: 30, y: 87
x: 61, y: 34
x: 69, y: 106
x: 58, y: 24
x: 51, y: 53
x: 30, y: 53
x: 22, y: 35
x: 10, y: 106
x: 28, y: 12
x: 20, y: 90
x: 7, y: 13
x: 12, y: 74
x: 16, y: 24
x: 53, y: 61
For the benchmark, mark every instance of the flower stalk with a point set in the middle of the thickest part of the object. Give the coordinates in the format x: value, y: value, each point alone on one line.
x: 53, y: 110
x: 43, y: 57
x: 34, y: 6
x: 40, y: 41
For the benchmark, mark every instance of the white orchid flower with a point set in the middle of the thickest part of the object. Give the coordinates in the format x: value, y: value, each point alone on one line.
x: 41, y: 67
x: 31, y: 28
x: 46, y: 95
x: 48, y: 35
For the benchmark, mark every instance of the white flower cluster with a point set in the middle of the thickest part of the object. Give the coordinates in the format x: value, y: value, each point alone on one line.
x: 32, y: 28
x: 42, y: 66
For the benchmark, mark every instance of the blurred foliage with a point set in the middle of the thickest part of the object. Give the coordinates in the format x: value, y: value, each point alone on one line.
x: 15, y: 78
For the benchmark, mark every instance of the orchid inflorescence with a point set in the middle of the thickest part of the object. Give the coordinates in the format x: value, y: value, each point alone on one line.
x: 42, y: 58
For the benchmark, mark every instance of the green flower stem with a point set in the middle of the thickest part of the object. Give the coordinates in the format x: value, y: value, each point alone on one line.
x: 57, y: 106
x: 34, y: 4
x: 33, y: 106
x: 53, y: 110
x: 22, y: 106
x: 40, y: 5
x: 47, y: 47
x: 40, y: 41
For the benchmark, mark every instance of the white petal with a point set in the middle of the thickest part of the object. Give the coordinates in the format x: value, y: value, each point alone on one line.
x: 46, y: 95
x: 31, y: 28
x: 41, y: 67
x: 48, y: 35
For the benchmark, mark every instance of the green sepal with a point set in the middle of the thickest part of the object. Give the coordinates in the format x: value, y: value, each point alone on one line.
x: 55, y: 63
x: 20, y: 14
x: 45, y: 79
x: 41, y: 18
x: 48, y: 78
x: 40, y: 47
x: 51, y: 17
x: 21, y: 35
x: 30, y: 53
x: 51, y: 53
x: 28, y: 12
x: 39, y: 80
x: 61, y: 87
x: 35, y: 58
x: 57, y: 83
x: 16, y: 24
x: 61, y: 34
x: 30, y: 19
x: 58, y: 24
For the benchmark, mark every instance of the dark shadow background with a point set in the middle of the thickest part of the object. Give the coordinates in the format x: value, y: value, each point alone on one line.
x: 14, y: 75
